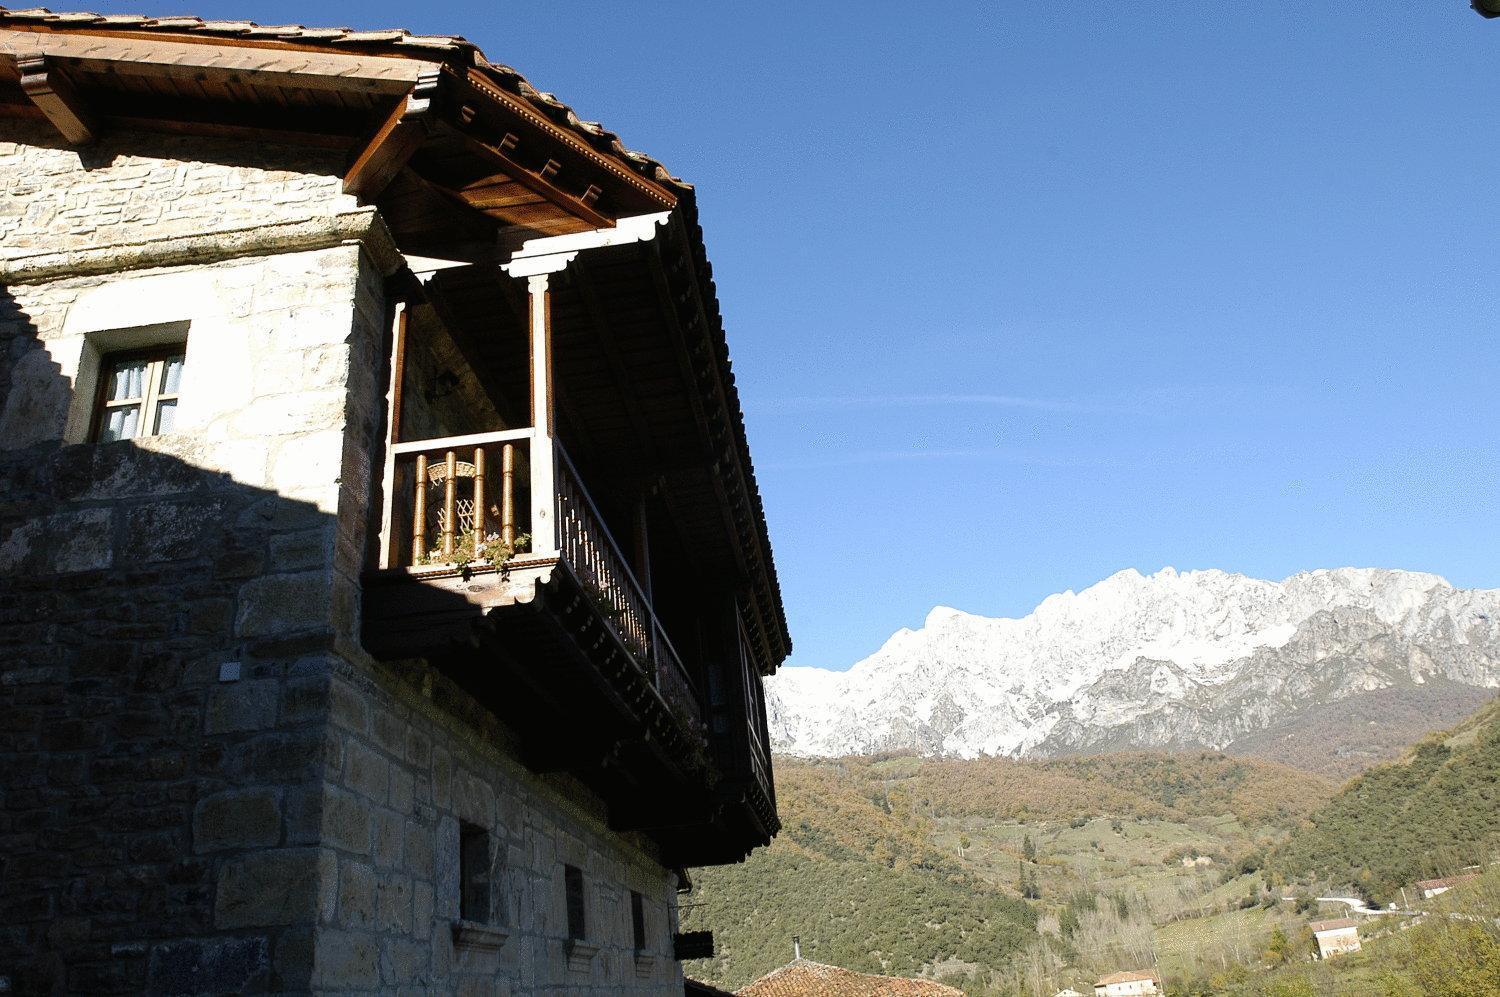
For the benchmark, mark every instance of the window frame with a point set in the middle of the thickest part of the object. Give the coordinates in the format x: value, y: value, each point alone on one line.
x: 476, y: 885
x: 152, y: 396
x: 575, y: 901
x: 638, y: 921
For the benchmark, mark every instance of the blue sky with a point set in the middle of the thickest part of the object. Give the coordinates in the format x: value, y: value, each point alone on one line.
x: 1022, y: 294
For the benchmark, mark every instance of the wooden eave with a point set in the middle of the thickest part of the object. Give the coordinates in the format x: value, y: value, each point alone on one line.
x: 519, y: 168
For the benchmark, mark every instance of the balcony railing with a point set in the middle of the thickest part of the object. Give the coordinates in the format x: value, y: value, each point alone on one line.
x: 511, y: 499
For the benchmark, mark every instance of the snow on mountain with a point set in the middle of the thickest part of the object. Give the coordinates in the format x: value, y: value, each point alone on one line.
x: 1170, y: 659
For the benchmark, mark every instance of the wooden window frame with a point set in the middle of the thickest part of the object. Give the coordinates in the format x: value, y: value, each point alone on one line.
x: 152, y: 396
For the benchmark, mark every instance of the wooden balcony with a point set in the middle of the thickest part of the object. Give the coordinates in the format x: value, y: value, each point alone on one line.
x: 498, y: 566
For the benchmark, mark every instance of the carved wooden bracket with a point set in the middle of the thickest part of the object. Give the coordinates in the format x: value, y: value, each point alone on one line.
x: 55, y: 97
x: 399, y: 135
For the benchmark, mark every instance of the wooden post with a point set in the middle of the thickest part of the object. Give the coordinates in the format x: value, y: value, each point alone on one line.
x: 419, y: 513
x: 478, y: 498
x: 389, y: 546
x: 508, y: 494
x: 450, y: 504
x: 643, y: 545
x: 543, y: 497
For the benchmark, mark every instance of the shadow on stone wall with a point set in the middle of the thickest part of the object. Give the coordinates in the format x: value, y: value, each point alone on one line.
x: 157, y: 812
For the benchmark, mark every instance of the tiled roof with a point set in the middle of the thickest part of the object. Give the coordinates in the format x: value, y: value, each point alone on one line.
x: 1129, y: 976
x: 1335, y: 925
x: 1434, y: 884
x: 804, y: 978
x: 384, y: 41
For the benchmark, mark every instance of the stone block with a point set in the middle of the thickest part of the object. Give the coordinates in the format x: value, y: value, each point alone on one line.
x: 170, y: 531
x: 275, y: 887
x: 393, y: 903
x: 301, y: 551
x: 241, y: 706
x: 209, y: 965
x: 356, y: 895
x: 346, y: 822
x: 279, y: 604
x: 239, y: 818
x: 365, y: 771
x: 389, y: 829
x: 59, y: 544
x: 346, y: 960
x: 421, y: 909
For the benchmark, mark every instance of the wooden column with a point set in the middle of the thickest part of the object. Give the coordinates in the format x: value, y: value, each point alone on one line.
x: 642, y: 532
x: 389, y: 549
x: 543, y: 490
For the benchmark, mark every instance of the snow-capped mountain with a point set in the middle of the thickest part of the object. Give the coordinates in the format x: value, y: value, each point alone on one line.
x: 1174, y: 659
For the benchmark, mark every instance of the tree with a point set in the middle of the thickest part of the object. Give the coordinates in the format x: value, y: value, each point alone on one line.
x: 1028, y: 849
x: 1278, y: 950
x: 963, y: 844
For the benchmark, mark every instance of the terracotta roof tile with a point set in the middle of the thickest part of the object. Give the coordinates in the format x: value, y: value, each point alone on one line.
x: 1128, y: 976
x: 1334, y: 925
x: 387, y: 39
x: 804, y: 978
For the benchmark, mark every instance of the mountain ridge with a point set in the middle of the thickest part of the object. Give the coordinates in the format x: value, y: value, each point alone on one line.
x: 1169, y: 660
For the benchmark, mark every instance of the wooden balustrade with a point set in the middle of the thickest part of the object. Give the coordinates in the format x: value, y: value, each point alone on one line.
x: 565, y: 522
x: 459, y: 469
x: 590, y: 549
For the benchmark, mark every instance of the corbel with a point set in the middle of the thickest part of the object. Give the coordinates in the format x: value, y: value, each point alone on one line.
x: 53, y: 94
x: 399, y: 136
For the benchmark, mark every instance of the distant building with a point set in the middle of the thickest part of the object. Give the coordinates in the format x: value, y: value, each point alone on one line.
x: 1336, y: 937
x: 1067, y: 992
x: 1131, y: 983
x: 805, y: 978
x: 1430, y: 888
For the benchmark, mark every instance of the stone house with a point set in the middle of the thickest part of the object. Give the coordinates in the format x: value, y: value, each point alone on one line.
x: 1335, y: 937
x: 1429, y: 888
x: 805, y: 978
x: 384, y: 589
x: 1130, y: 983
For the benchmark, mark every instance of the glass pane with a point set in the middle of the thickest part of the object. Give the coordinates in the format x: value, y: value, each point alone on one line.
x: 172, y: 376
x: 120, y: 423
x: 128, y: 380
x: 166, y: 416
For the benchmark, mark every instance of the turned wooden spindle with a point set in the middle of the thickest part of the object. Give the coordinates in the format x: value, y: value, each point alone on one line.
x: 450, y: 504
x: 419, y: 513
x: 478, y: 497
x: 508, y: 494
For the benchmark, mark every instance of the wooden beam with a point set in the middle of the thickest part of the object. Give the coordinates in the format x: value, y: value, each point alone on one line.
x: 506, y: 164
x: 55, y: 97
x: 394, y: 141
x: 222, y: 60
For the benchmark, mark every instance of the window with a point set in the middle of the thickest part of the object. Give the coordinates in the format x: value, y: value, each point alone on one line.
x: 638, y: 920
x: 573, y: 885
x: 475, y: 871
x: 138, y: 394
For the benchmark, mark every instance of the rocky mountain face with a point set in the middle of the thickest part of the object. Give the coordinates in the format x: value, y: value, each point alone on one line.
x: 1189, y: 659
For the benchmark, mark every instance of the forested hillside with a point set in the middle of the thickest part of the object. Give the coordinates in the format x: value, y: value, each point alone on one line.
x: 1342, y: 739
x: 1432, y: 813
x: 944, y: 868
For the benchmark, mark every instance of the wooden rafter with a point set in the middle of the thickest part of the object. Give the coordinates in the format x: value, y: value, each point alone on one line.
x: 539, y: 181
x: 216, y: 59
x: 53, y: 95
x: 394, y: 141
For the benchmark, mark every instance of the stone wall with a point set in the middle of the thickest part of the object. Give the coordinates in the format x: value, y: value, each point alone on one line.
x: 142, y: 187
x: 167, y: 612
x: 204, y: 782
